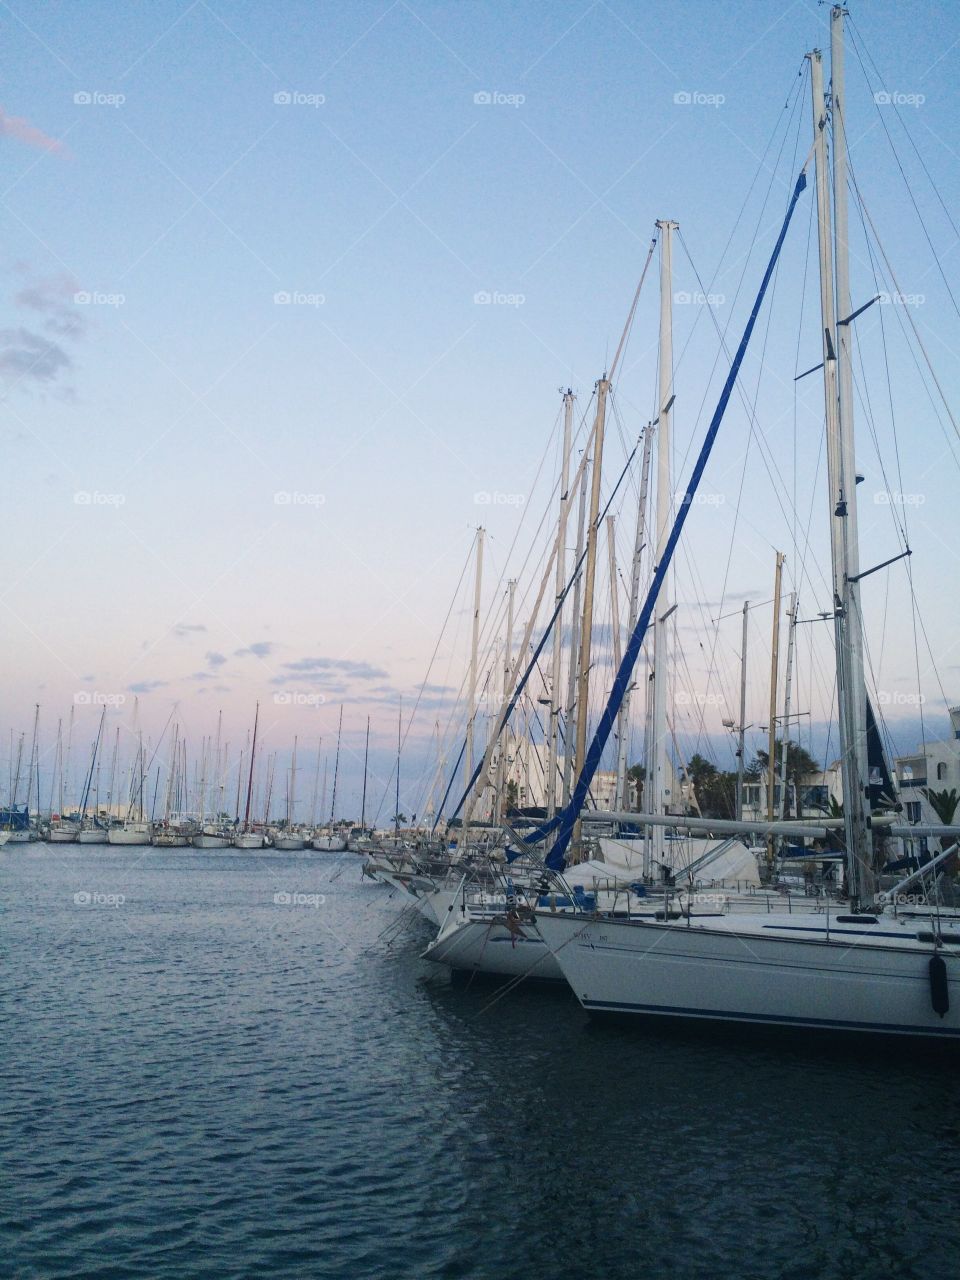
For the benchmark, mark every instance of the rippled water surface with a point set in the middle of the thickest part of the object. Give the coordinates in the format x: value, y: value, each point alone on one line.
x: 199, y: 1080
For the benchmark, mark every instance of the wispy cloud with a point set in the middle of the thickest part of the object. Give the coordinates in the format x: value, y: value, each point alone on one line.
x: 54, y: 297
x: 341, y: 666
x: 259, y: 649
x: 20, y: 128
x: 215, y: 659
x: 28, y: 355
x: 147, y: 686
x: 184, y: 629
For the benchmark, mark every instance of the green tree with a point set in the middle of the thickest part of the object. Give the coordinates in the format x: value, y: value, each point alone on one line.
x: 799, y: 763
x: 637, y: 774
x: 944, y: 804
x: 716, y: 791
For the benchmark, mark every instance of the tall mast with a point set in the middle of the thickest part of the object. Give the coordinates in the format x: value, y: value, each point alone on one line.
x: 396, y: 815
x: 850, y: 668
x: 742, y: 726
x: 842, y: 496
x: 66, y: 760
x: 236, y: 811
x: 33, y: 752
x: 316, y: 784
x: 658, y: 763
x: 253, y: 752
x: 570, y: 725
x: 58, y: 764
x: 291, y: 790
x: 772, y: 726
x: 219, y: 768
x: 617, y: 639
x: 203, y: 781
x: 507, y: 673
x: 336, y: 767
x: 623, y: 718
x: 366, y: 757
x: 561, y: 582
x: 114, y: 760
x: 787, y: 692
x: 15, y: 784
x: 323, y: 789
x: 474, y: 646
x: 589, y: 583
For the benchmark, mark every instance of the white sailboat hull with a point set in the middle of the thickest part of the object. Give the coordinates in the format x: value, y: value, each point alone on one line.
x: 783, y: 971
x: 62, y: 835
x: 137, y: 834
x: 289, y: 844
x: 248, y: 840
x: 205, y: 841
x: 330, y: 844
x: 92, y: 836
x: 485, y: 946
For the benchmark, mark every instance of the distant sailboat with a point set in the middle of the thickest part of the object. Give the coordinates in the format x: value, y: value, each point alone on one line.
x: 245, y: 838
x: 331, y: 840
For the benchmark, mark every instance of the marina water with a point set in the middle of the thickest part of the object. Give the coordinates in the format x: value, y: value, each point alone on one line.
x: 221, y: 1064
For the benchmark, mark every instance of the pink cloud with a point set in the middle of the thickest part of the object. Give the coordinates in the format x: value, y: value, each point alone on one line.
x: 20, y: 128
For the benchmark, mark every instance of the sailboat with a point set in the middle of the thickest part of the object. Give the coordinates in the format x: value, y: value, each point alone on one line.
x: 134, y: 829
x: 855, y: 969
x: 92, y: 829
x: 245, y: 837
x: 62, y: 830
x: 214, y: 833
x: 287, y: 839
x: 332, y: 840
x: 15, y: 817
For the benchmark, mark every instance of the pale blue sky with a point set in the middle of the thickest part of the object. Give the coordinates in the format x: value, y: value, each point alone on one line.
x: 186, y: 189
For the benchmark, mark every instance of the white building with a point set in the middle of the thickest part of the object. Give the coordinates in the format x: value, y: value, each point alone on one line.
x: 817, y: 790
x: 935, y: 765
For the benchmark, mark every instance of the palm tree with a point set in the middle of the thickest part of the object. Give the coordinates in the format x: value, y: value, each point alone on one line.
x: 799, y: 763
x: 944, y: 804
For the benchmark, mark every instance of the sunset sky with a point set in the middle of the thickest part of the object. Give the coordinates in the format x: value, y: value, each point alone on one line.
x: 289, y: 292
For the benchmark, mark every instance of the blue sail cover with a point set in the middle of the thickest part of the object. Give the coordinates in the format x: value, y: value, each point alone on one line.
x: 566, y: 819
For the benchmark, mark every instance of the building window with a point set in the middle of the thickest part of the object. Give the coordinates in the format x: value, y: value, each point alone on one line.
x: 913, y: 810
x: 941, y: 772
